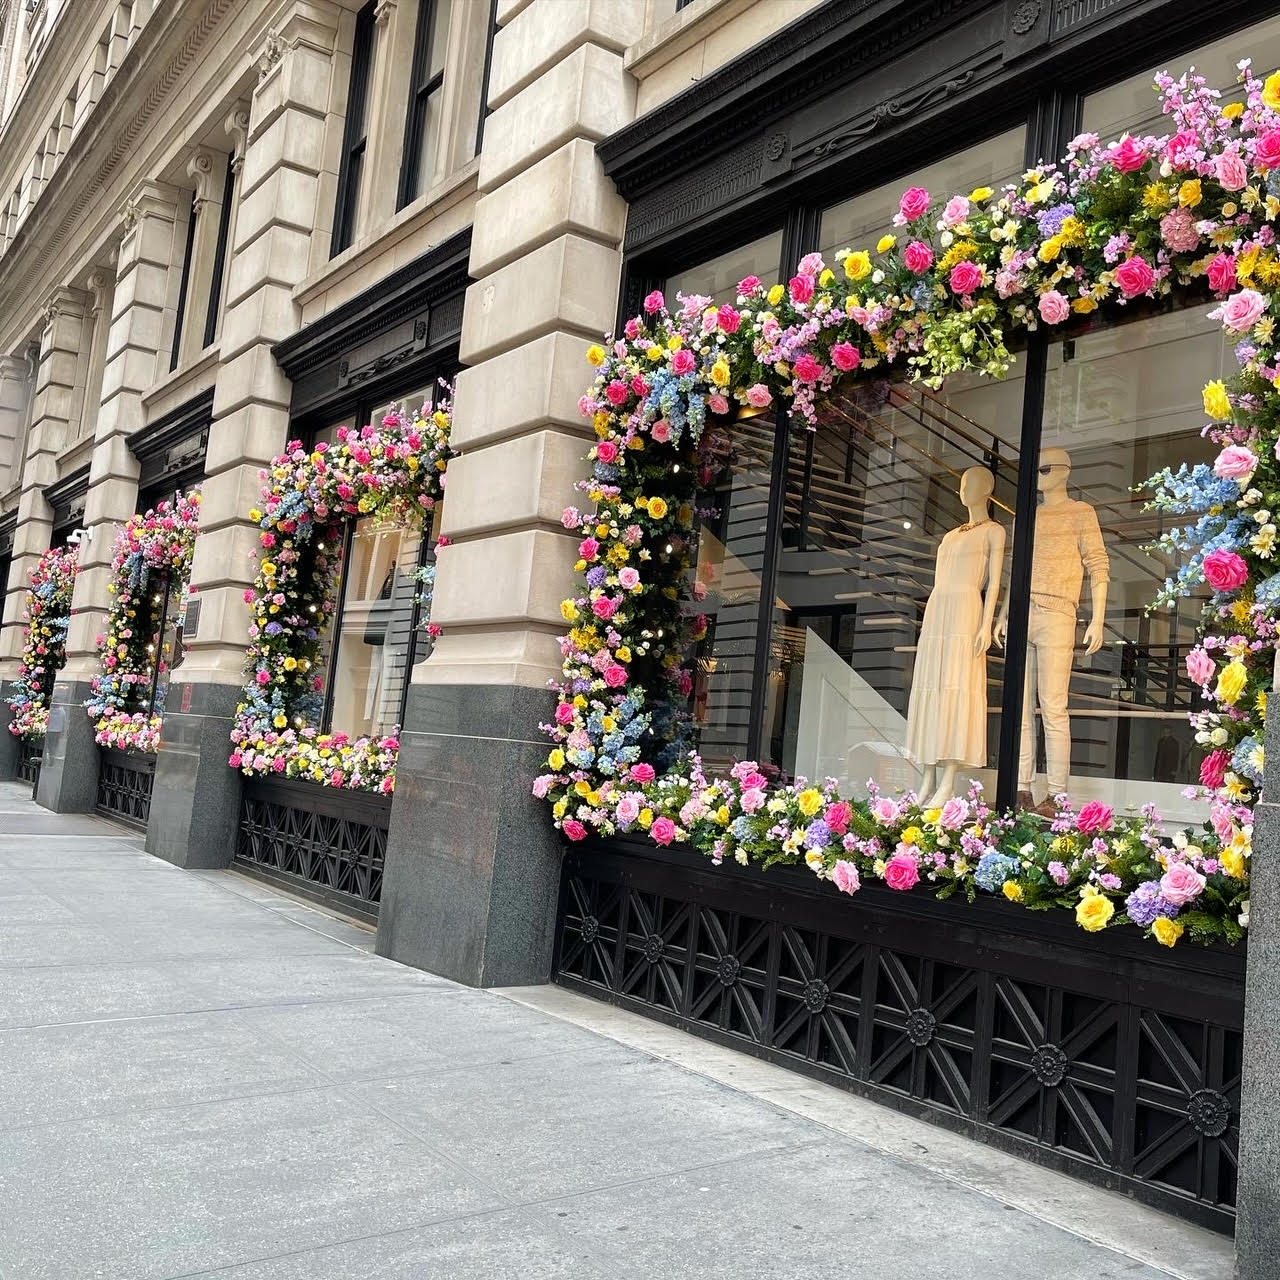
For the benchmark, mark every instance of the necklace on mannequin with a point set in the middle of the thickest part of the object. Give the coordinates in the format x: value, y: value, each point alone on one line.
x: 972, y: 524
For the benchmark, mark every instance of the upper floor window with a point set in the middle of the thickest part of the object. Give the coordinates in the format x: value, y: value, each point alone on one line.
x: 355, y: 137
x: 426, y: 95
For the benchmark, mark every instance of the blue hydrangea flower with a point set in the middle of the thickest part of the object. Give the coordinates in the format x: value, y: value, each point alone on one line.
x: 994, y: 869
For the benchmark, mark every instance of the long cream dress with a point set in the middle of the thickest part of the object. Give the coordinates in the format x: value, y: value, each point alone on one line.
x: 947, y: 713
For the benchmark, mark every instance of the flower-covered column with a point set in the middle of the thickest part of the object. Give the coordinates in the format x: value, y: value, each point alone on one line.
x: 282, y: 223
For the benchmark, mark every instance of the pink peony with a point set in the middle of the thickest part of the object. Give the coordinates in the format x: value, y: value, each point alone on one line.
x: 1178, y: 227
x: 1128, y: 155
x: 807, y: 368
x: 1094, y: 817
x: 956, y: 211
x: 901, y: 871
x: 844, y: 875
x: 574, y: 829
x: 1267, y: 149
x: 1240, y: 312
x: 1053, y: 307
x: 965, y: 278
x: 1232, y: 172
x: 683, y: 361
x: 1200, y: 667
x: 801, y: 288
x: 845, y: 356
x: 1181, y: 883
x: 918, y: 257
x: 1225, y: 570
x: 1235, y: 462
x: 1222, y: 273
x: 663, y: 830
x: 914, y: 203
x: 642, y: 772
x: 654, y: 301
x: 1135, y: 276
x: 1213, y: 769
x: 759, y: 396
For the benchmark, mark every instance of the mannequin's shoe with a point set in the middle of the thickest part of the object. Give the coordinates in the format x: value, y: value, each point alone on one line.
x: 1025, y: 801
x: 1046, y: 808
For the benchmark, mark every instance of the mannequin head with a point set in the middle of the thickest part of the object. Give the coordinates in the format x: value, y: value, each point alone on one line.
x: 1055, y: 471
x: 977, y: 485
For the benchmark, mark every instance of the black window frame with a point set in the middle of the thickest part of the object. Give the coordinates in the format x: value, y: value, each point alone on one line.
x: 423, y: 84
x: 184, y: 286
x: 220, y: 255
x: 355, y: 134
x: 490, y: 37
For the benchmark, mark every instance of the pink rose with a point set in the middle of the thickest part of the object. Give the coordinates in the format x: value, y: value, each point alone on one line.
x: 1267, y: 149
x: 629, y: 808
x: 1200, y: 667
x: 845, y: 356
x: 965, y: 277
x: 1240, y: 312
x: 759, y: 396
x: 1185, y: 140
x: 1053, y: 307
x: 807, y: 369
x: 654, y: 301
x: 718, y: 404
x: 616, y: 393
x: 914, y: 203
x: 956, y: 211
x: 1094, y: 817
x: 730, y: 320
x: 918, y: 257
x: 683, y: 361
x: 588, y: 548
x: 954, y: 814
x: 1232, y: 172
x: 1181, y: 883
x: 1134, y: 276
x: 663, y: 830
x: 1128, y: 155
x: 564, y: 713
x: 801, y: 288
x: 661, y: 431
x: 642, y: 772
x: 753, y: 799
x: 1222, y: 273
x: 615, y: 676
x: 629, y: 578
x: 1225, y: 570
x: 885, y: 811
x: 1235, y: 462
x: 901, y: 871
x: 1213, y: 769
x: 1178, y: 227
x: 748, y: 285
x: 633, y: 327
x: 574, y: 830
x: 607, y: 451
x: 838, y: 816
x: 604, y: 607
x: 844, y: 875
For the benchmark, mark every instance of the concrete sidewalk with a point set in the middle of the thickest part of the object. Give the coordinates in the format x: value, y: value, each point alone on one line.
x: 201, y: 1077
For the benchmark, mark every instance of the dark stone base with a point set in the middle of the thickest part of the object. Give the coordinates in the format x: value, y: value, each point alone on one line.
x: 195, y: 798
x: 10, y: 747
x: 1258, y: 1197
x: 473, y: 865
x: 69, y: 769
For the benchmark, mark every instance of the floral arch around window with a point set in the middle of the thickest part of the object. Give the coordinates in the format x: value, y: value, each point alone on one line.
x: 47, y: 615
x: 1113, y: 226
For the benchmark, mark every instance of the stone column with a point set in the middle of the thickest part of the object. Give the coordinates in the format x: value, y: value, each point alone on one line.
x: 15, y: 588
x: 143, y: 313
x: 472, y: 866
x: 1258, y: 1184
x: 15, y: 395
x: 282, y: 205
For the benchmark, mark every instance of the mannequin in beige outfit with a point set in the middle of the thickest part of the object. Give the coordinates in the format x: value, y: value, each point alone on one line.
x: 1068, y: 544
x: 947, y: 713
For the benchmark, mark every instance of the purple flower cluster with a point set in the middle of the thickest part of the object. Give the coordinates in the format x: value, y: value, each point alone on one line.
x: 1146, y: 902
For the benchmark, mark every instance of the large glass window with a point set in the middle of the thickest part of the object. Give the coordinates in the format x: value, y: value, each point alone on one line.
x: 426, y: 94
x: 718, y: 278
x: 355, y: 133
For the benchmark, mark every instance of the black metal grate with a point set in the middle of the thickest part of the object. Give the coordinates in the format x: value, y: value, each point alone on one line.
x: 328, y: 843
x: 125, y: 780
x: 30, y: 751
x: 1101, y: 1055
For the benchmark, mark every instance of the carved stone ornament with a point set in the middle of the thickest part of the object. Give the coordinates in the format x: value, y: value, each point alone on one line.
x: 382, y: 12
x: 273, y: 49
x: 1026, y: 15
x: 236, y: 126
x: 129, y: 215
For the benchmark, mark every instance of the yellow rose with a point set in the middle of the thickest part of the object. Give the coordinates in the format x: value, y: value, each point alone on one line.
x: 1233, y: 862
x: 595, y: 355
x: 255, y: 515
x: 268, y: 568
x: 1167, y: 931
x: 556, y: 760
x: 1013, y: 891
x: 291, y: 664
x: 1082, y: 306
x: 776, y: 295
x: 568, y: 611
x: 980, y: 193
x: 885, y: 243
x: 1050, y: 250
x: 857, y: 266
x: 932, y: 816
x: 1093, y: 911
x: 826, y: 277
x: 722, y: 815
x: 622, y: 653
x: 654, y: 353
x: 1217, y: 404
x: 675, y: 342
x: 583, y: 788
x: 657, y: 508
x: 1234, y: 110
x: 280, y: 721
x: 646, y: 818
x: 1189, y: 194
x: 720, y: 372
x: 912, y: 835
x: 560, y: 808
x: 1270, y: 92
x: 1231, y: 682
x: 810, y: 801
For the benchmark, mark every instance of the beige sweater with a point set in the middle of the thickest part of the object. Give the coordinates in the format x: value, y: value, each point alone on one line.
x: 1068, y: 543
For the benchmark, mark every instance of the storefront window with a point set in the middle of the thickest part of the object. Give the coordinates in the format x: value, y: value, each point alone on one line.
x: 1131, y: 107
x: 718, y: 278
x: 1106, y: 717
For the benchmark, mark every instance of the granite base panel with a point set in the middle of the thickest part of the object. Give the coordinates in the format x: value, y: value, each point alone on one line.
x: 195, y: 798
x: 472, y: 870
x: 10, y: 746
x: 69, y: 768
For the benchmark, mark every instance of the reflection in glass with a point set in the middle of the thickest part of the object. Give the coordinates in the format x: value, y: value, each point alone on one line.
x: 718, y: 278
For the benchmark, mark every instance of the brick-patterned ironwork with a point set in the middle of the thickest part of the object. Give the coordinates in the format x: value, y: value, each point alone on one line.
x: 1100, y: 1055
x: 125, y: 779
x: 30, y: 751
x: 324, y: 843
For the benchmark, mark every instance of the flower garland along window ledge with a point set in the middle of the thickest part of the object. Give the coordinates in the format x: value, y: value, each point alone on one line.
x: 1113, y: 225
x: 150, y: 570
x: 393, y: 471
x: 46, y: 617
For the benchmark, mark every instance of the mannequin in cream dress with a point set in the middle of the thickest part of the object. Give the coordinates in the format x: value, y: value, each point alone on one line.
x: 947, y: 714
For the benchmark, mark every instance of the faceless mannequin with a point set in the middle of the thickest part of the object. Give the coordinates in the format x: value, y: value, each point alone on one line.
x: 947, y: 714
x: 1068, y: 544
